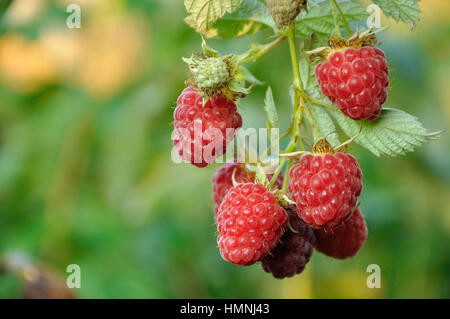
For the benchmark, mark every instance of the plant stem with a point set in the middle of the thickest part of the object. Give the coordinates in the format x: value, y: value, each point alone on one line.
x: 336, y: 21
x: 344, y: 19
x: 290, y: 148
x: 298, y: 89
x: 277, y: 172
x: 261, y: 51
x: 298, y: 84
x: 298, y: 109
x: 286, y: 178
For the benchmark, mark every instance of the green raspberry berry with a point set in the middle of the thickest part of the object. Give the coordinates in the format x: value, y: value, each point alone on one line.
x: 285, y: 11
x: 211, y: 73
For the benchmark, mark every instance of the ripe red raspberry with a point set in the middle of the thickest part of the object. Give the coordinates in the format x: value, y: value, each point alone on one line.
x: 325, y: 187
x: 250, y: 223
x: 222, y: 180
x: 293, y: 252
x: 202, y: 133
x: 344, y: 240
x: 355, y: 80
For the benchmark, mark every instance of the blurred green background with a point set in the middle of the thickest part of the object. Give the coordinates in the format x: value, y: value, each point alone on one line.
x: 86, y: 175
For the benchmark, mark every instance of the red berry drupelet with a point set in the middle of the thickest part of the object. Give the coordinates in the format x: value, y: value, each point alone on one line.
x: 355, y: 80
x: 293, y: 252
x: 222, y: 180
x: 250, y: 223
x: 325, y: 187
x: 197, y: 126
x: 345, y: 240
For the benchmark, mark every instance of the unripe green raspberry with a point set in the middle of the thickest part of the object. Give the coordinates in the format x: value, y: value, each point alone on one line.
x: 211, y: 73
x: 285, y: 11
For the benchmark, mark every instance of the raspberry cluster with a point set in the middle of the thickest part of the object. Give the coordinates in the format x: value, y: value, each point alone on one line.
x: 325, y: 188
x: 293, y: 252
x: 222, y: 180
x: 355, y: 80
x: 279, y: 224
x: 202, y: 132
x: 250, y: 223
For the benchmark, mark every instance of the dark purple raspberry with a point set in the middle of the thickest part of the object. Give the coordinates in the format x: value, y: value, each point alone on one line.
x: 293, y: 252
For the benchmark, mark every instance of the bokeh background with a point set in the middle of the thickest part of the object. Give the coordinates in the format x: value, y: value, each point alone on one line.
x: 86, y: 175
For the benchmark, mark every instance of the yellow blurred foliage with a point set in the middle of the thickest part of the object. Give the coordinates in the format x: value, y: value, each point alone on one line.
x: 25, y: 12
x: 102, y: 57
x: 111, y: 55
x: 25, y: 66
x: 297, y: 287
x: 435, y: 11
x: 349, y: 285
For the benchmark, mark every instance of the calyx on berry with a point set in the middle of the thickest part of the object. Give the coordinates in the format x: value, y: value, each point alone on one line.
x: 337, y: 43
x: 261, y: 177
x: 321, y: 147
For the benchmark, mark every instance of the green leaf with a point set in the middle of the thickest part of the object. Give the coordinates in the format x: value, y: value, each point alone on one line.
x: 324, y: 124
x: 227, y: 29
x: 249, y: 18
x: 209, y: 52
x: 407, y: 11
x: 393, y: 133
x: 238, y: 86
x: 203, y: 13
x: 245, y: 75
x: 271, y: 111
x: 320, y: 20
x: 4, y: 5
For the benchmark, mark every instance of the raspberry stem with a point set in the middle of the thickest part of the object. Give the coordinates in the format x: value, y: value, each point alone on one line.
x: 260, y: 51
x: 277, y: 172
x: 298, y: 103
x: 298, y: 84
x: 286, y: 179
